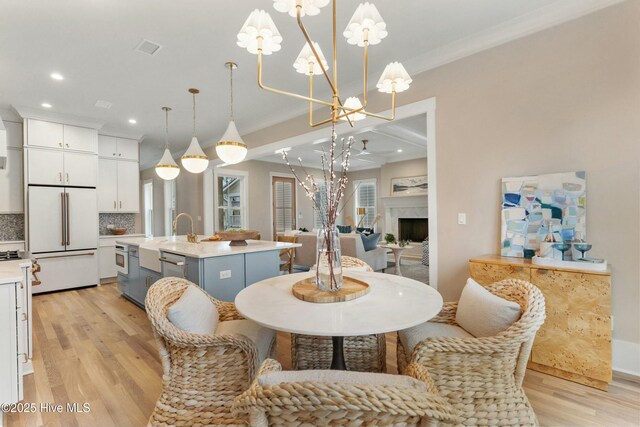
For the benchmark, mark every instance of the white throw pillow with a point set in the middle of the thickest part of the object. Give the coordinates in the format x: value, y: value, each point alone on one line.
x: 194, y: 312
x: 484, y: 314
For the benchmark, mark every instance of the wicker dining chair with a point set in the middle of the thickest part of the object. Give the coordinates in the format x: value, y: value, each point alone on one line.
x: 202, y: 374
x: 341, y: 398
x: 482, y: 377
x: 365, y: 353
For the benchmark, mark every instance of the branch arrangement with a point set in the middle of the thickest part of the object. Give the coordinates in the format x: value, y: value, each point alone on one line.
x: 326, y: 201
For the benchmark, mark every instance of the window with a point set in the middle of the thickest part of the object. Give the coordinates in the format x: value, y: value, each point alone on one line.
x: 365, y: 202
x: 321, y: 197
x: 231, y: 203
x: 284, y: 204
x: 169, y: 206
x: 148, y: 207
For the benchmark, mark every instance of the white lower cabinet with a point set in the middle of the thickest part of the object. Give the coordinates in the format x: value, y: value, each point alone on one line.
x: 15, y: 334
x: 118, y: 186
x: 107, y: 263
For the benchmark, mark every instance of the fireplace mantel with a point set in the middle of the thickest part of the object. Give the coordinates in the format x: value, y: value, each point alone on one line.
x: 414, y: 206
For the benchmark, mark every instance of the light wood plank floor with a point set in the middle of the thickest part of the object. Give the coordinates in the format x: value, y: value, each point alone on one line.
x: 92, y: 345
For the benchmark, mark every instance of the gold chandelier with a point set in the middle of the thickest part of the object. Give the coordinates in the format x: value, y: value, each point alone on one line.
x: 260, y: 36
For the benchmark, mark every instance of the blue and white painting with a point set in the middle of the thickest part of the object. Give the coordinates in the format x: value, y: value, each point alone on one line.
x: 531, y: 204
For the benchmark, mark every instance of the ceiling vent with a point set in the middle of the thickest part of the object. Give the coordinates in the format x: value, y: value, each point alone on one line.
x: 103, y: 104
x: 148, y: 47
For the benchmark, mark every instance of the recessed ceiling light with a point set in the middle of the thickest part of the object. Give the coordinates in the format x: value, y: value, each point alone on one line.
x: 133, y: 121
x: 399, y: 150
x: 46, y: 105
x: 57, y: 76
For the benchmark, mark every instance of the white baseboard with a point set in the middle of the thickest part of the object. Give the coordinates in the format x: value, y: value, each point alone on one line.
x: 626, y: 357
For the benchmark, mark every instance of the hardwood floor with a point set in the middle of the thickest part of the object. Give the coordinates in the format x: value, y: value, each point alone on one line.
x: 93, y: 346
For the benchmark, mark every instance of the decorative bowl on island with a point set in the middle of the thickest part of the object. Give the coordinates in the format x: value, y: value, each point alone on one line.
x: 237, y: 237
x: 117, y: 231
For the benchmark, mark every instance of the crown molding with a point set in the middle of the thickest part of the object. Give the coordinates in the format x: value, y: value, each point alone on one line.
x: 37, y: 114
x: 535, y: 21
x: 120, y: 133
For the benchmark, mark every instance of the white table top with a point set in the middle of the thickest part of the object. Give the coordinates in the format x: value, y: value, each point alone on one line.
x: 393, y: 303
x: 393, y: 246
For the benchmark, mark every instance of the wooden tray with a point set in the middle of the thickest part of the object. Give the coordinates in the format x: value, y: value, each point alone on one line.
x: 307, y: 290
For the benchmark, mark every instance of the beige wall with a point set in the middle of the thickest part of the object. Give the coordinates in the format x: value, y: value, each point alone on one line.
x: 564, y: 99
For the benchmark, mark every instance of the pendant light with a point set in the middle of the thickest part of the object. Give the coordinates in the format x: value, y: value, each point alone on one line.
x: 194, y: 160
x: 167, y: 168
x: 231, y: 148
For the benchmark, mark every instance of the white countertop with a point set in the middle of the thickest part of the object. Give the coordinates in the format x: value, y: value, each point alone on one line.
x: 11, y: 271
x: 392, y: 304
x: 121, y: 236
x: 179, y: 245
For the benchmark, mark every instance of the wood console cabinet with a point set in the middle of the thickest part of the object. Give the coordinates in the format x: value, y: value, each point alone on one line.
x: 574, y: 342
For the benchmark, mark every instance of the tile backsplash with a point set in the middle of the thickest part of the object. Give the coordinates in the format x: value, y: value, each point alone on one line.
x: 11, y: 227
x: 118, y: 220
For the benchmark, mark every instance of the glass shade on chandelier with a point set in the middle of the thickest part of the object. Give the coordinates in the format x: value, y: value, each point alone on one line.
x: 309, y: 7
x: 306, y: 62
x: 231, y: 149
x: 353, y: 103
x: 394, y: 79
x: 167, y: 168
x: 366, y: 26
x: 259, y: 32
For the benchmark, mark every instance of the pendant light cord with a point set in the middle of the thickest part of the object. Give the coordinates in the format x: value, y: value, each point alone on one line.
x: 166, y: 128
x: 194, y: 115
x: 231, y: 92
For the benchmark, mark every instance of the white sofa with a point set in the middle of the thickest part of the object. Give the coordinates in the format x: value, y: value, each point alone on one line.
x: 350, y: 245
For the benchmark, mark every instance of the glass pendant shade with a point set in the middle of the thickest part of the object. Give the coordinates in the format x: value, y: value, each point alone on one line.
x: 366, y: 17
x: 394, y: 73
x: 306, y: 58
x: 231, y: 148
x: 353, y: 103
x: 309, y: 7
x: 194, y: 160
x: 167, y: 168
x: 259, y: 24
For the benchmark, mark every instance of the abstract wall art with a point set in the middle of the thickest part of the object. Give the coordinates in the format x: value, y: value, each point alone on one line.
x: 531, y: 204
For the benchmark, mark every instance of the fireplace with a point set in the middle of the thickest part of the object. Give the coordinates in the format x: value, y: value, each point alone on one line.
x: 414, y: 229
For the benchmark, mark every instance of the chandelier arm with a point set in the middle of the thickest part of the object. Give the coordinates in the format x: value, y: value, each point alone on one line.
x: 393, y: 110
x: 365, y: 68
x: 282, y: 92
x: 335, y: 49
x: 334, y: 88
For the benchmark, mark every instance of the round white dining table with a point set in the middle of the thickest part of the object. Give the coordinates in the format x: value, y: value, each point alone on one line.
x: 392, y: 304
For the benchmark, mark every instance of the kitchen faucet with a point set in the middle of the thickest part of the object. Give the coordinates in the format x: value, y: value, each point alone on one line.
x: 191, y: 237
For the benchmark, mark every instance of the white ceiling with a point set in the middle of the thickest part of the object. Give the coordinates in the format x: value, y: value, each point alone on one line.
x: 91, y: 43
x: 383, y: 142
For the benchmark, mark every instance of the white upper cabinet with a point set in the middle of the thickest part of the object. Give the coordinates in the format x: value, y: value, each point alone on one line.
x: 127, y: 149
x: 80, y: 169
x: 110, y: 147
x: 128, y: 187
x: 57, y: 135
x: 118, y: 186
x: 56, y: 167
x: 11, y: 183
x: 45, y: 167
x: 11, y: 177
x: 80, y: 139
x: 107, y: 185
x: 107, y: 146
x: 14, y: 134
x: 45, y: 134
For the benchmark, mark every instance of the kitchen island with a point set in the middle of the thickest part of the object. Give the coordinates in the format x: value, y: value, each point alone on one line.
x: 218, y: 268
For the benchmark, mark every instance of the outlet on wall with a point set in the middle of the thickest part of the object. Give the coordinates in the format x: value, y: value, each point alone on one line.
x: 225, y: 274
x: 462, y: 218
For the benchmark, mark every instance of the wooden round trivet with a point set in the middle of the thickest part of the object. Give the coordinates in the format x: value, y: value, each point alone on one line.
x: 307, y: 290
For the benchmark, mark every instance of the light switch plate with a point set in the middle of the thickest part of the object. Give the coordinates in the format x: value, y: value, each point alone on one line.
x: 462, y: 218
x: 225, y: 274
